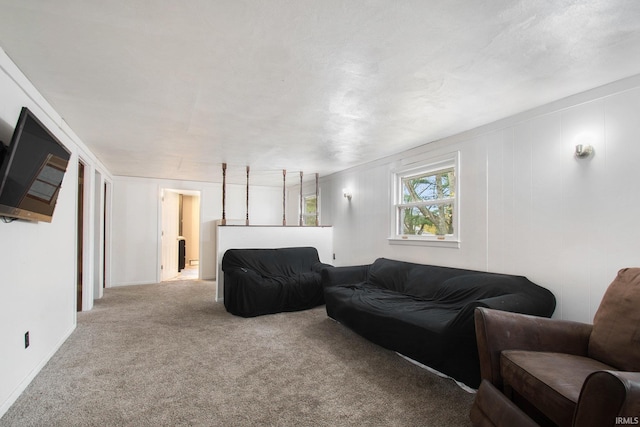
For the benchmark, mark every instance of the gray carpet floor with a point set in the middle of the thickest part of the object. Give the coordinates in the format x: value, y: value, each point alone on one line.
x: 168, y: 355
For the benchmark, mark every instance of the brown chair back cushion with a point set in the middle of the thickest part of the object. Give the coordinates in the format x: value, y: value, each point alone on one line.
x: 615, y: 338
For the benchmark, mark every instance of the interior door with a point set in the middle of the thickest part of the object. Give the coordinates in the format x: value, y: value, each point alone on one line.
x: 80, y: 237
x: 169, y: 234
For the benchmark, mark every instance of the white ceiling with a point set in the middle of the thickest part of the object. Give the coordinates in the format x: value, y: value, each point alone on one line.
x: 173, y: 88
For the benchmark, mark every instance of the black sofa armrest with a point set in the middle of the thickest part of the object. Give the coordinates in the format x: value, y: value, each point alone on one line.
x: 464, y: 322
x: 607, y: 396
x: 319, y: 266
x: 498, y: 330
x: 517, y: 303
x: 344, y: 275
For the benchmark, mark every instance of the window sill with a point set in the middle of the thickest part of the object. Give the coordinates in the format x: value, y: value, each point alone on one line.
x: 433, y: 242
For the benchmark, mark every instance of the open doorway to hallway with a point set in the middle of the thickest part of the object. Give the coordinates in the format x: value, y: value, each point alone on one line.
x: 80, y: 236
x: 180, y: 235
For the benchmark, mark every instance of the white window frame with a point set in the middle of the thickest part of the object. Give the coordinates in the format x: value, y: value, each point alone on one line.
x: 424, y: 166
x: 304, y: 215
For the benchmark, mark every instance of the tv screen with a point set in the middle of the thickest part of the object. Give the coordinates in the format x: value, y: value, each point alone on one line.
x: 32, y: 171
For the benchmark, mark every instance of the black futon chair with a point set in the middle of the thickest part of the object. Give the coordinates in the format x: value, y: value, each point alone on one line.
x: 266, y: 281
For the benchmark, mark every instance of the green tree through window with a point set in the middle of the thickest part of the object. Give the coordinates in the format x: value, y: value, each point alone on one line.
x: 428, y: 206
x: 309, y: 210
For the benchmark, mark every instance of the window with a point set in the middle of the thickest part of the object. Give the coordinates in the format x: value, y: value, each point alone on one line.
x: 309, y: 208
x: 426, y: 202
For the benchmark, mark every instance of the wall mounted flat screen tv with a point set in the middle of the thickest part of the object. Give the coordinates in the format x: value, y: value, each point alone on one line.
x: 32, y: 171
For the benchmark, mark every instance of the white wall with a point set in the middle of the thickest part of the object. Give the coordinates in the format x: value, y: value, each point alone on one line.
x: 38, y: 260
x: 136, y: 223
x: 527, y: 205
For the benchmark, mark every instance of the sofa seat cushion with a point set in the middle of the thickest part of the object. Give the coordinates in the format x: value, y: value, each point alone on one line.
x: 431, y: 315
x: 414, y: 327
x: 549, y: 381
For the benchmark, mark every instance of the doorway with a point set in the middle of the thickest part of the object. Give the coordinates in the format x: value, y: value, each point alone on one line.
x: 80, y: 237
x: 106, y: 232
x: 180, y: 235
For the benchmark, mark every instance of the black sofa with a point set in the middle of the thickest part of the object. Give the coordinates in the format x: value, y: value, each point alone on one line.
x: 266, y: 281
x: 426, y: 312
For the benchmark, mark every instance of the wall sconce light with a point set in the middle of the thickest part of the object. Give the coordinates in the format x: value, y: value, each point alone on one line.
x: 584, y: 151
x: 346, y: 193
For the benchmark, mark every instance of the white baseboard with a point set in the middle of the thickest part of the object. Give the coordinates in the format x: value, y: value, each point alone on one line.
x: 34, y: 372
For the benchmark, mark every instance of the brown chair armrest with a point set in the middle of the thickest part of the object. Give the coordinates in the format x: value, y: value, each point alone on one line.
x: 609, y: 398
x: 502, y: 330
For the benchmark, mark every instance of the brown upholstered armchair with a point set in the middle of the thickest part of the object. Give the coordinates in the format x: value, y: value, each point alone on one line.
x: 555, y: 372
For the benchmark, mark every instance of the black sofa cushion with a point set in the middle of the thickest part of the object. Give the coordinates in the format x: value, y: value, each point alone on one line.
x: 266, y: 281
x: 426, y: 312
